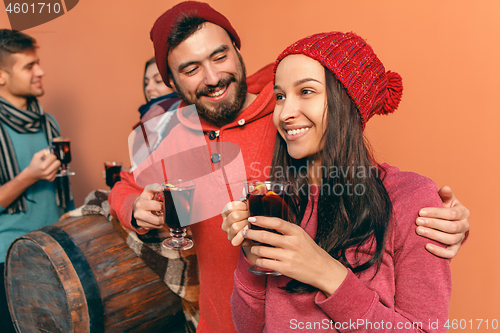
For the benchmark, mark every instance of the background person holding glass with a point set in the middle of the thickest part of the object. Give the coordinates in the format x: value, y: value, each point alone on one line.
x: 161, y: 104
x: 29, y: 197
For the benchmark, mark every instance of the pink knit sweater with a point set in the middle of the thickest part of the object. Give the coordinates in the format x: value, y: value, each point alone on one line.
x: 410, y: 292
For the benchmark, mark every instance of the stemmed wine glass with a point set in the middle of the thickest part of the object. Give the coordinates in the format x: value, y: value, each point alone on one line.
x: 61, y: 148
x: 267, y: 198
x: 177, y: 198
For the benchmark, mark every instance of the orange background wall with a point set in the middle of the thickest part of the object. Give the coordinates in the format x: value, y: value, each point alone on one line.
x: 447, y: 51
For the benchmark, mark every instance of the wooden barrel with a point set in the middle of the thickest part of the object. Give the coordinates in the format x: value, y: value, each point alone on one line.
x: 79, y: 275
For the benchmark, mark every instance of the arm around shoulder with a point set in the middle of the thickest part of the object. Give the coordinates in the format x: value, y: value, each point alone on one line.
x: 423, y: 281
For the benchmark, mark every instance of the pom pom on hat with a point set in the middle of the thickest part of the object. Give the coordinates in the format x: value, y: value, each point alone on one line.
x: 394, y: 92
x: 356, y: 66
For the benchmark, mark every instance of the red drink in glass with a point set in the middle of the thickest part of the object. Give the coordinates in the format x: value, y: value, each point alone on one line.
x: 177, y: 198
x: 178, y: 204
x: 267, y: 198
x: 270, y: 204
x: 61, y: 148
x: 113, y: 170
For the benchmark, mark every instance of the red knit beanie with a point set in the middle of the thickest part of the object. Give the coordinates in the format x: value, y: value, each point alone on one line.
x: 355, y: 65
x: 163, y: 27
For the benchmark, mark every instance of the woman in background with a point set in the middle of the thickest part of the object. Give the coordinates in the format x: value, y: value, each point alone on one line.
x: 159, y: 111
x: 156, y: 91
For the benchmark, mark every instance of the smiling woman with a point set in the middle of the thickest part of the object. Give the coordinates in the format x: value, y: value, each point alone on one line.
x: 350, y: 253
x: 300, y: 103
x: 154, y: 86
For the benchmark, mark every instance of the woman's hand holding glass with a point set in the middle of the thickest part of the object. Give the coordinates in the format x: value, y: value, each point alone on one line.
x: 234, y: 220
x: 235, y: 224
x: 294, y: 253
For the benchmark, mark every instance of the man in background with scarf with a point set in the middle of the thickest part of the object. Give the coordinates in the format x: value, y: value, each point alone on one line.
x: 29, y: 197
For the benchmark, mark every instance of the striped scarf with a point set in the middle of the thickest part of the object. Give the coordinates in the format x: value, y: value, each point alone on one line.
x: 22, y: 121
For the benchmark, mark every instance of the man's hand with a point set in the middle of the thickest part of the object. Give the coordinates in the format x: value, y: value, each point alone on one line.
x: 145, y: 208
x: 43, y: 166
x: 448, y: 225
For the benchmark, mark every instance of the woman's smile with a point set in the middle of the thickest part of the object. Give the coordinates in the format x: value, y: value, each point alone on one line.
x: 299, y: 114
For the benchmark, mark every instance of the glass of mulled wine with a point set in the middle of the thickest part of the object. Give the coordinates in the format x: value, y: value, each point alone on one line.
x: 112, y: 173
x: 177, y: 198
x: 267, y: 198
x: 61, y: 148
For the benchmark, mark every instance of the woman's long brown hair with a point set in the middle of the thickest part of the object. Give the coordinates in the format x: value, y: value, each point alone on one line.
x: 345, y: 218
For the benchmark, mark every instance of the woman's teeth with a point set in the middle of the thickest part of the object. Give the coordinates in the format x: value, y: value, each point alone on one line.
x: 297, y: 131
x: 217, y: 93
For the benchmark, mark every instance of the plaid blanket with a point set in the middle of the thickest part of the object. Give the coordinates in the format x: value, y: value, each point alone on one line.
x: 178, y: 269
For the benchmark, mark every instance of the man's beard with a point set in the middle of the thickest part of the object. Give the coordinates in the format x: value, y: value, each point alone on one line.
x: 226, y: 111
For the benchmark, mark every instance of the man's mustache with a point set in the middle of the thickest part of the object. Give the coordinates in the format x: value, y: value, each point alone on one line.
x: 210, y: 89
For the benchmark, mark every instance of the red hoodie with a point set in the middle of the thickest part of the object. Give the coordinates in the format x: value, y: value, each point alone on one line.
x: 254, y: 133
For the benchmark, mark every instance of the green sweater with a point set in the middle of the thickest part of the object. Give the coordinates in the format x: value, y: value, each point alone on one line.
x: 41, y: 200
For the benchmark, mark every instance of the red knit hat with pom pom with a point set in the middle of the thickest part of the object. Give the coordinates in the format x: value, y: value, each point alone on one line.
x: 357, y: 67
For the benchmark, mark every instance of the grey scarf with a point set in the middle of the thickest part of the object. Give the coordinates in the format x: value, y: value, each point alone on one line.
x: 24, y: 121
